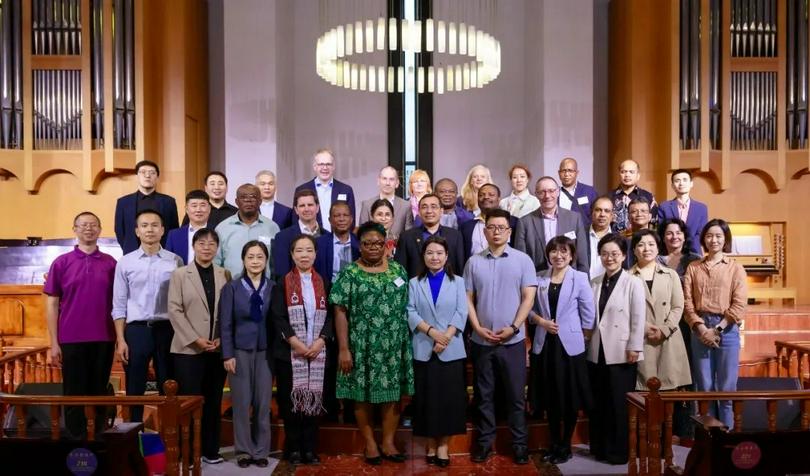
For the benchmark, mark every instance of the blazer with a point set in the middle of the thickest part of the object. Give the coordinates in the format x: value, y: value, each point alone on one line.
x: 188, y: 307
x: 177, y: 243
x: 280, y: 251
x: 575, y: 311
x: 450, y: 310
x: 409, y: 250
x: 664, y: 305
x: 468, y: 228
x: 696, y: 219
x: 403, y: 218
x: 279, y: 326
x: 462, y: 216
x: 325, y: 257
x: 531, y: 238
x: 338, y: 188
x: 282, y: 215
x: 621, y: 328
x: 125, y: 211
x: 236, y: 329
x: 588, y: 195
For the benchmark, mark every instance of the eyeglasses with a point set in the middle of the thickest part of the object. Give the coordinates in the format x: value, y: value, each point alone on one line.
x: 497, y: 229
x: 614, y: 255
x: 86, y: 226
x: 372, y: 244
x: 324, y: 165
x: 147, y: 172
x: 567, y: 171
x: 640, y: 212
x: 548, y: 191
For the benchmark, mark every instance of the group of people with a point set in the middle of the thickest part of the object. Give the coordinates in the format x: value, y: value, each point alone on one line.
x: 604, y: 291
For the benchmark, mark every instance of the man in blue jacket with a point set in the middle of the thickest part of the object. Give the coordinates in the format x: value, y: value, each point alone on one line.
x: 198, y: 212
x: 694, y: 213
x: 326, y: 186
x: 145, y: 198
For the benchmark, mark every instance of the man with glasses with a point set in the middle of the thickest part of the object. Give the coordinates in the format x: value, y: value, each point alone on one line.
x: 626, y: 192
x: 145, y: 198
x: 453, y: 214
x: 501, y: 286
x: 575, y: 195
x: 536, y: 229
x: 326, y: 186
x: 409, y: 247
x: 640, y: 219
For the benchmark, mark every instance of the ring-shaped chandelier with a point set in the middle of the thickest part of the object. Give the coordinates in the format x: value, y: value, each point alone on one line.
x: 481, y: 53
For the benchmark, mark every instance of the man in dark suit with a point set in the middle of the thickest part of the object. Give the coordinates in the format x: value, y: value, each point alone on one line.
x: 326, y: 186
x: 694, y: 213
x: 145, y: 198
x: 388, y: 182
x: 306, y: 207
x: 472, y: 232
x: 536, y: 229
x: 575, y: 195
x: 198, y: 210
x: 338, y: 248
x: 409, y: 247
x: 281, y: 214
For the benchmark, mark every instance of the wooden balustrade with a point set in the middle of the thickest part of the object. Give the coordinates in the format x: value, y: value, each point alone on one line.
x: 174, y: 413
x: 650, y: 414
x: 27, y: 365
x: 787, y: 366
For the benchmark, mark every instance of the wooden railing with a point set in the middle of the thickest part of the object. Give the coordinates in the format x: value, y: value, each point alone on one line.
x: 18, y: 366
x: 174, y: 412
x: 650, y: 415
x: 787, y: 366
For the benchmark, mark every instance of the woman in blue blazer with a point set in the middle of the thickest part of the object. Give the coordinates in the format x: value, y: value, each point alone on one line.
x: 564, y: 316
x: 437, y: 313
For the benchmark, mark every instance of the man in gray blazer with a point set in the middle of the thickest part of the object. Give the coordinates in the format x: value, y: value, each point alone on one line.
x: 388, y: 182
x: 536, y: 229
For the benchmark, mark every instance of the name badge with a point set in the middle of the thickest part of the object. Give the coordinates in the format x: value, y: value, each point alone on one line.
x: 341, y: 197
x: 399, y: 282
x: 572, y: 235
x: 582, y: 200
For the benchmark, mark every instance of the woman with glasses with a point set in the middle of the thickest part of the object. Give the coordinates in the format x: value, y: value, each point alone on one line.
x: 374, y: 348
x: 520, y: 202
x: 614, y: 350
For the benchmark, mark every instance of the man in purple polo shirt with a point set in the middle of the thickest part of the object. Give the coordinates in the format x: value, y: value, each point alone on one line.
x: 79, y: 288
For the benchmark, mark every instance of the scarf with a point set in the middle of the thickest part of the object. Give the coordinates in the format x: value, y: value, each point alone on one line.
x: 308, y: 375
x: 256, y: 301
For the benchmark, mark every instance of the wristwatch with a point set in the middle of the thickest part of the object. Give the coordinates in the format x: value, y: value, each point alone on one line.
x: 515, y: 328
x: 719, y: 329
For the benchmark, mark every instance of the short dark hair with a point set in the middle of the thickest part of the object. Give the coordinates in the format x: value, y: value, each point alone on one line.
x: 86, y: 213
x: 303, y: 237
x: 497, y: 189
x: 197, y: 194
x: 562, y: 241
x: 204, y: 233
x: 448, y: 268
x: 498, y: 213
x: 149, y: 210
x: 147, y: 163
x: 339, y: 203
x: 680, y: 171
x: 726, y: 233
x: 305, y: 192
x: 429, y: 195
x: 662, y: 233
x: 369, y: 227
x: 616, y: 238
x: 250, y: 244
x: 213, y: 173
x: 638, y: 201
x: 381, y: 202
x: 637, y: 236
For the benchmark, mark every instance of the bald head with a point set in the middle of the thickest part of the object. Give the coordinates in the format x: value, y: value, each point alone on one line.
x: 629, y: 174
x: 447, y: 190
x: 387, y: 181
x: 569, y: 171
x: 247, y: 200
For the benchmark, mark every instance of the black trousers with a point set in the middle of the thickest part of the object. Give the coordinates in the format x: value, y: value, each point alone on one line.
x: 608, y: 421
x: 300, y: 431
x: 147, y: 343
x: 85, y: 371
x: 203, y: 374
x: 508, y: 361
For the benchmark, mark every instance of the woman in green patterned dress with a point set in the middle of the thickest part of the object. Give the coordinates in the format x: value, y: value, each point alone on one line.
x: 370, y: 297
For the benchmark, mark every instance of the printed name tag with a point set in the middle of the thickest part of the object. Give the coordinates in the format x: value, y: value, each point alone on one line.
x: 572, y: 235
x: 582, y: 200
x: 341, y: 197
x: 399, y: 282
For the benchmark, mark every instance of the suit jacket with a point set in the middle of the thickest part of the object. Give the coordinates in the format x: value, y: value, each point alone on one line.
x: 450, y: 310
x: 468, y: 228
x: 409, y: 250
x: 279, y: 326
x: 403, y: 218
x: 125, y: 211
x: 177, y: 243
x: 324, y: 259
x: 531, y: 238
x: 338, y: 188
x: 575, y: 311
x: 621, y: 327
x: 462, y: 217
x: 188, y: 307
x: 282, y: 261
x: 664, y: 305
x: 236, y: 328
x: 696, y: 219
x: 586, y: 194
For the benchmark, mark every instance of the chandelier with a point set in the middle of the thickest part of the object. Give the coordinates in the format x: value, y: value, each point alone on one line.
x: 476, y: 55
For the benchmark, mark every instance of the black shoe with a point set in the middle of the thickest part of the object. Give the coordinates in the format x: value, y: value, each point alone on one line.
x: 614, y: 460
x: 311, y: 458
x: 213, y: 459
x: 561, y: 456
x: 244, y: 462
x: 521, y: 456
x: 481, y: 454
x: 261, y: 462
x: 396, y: 457
x: 373, y: 460
x: 442, y: 462
x: 294, y: 458
x: 431, y: 459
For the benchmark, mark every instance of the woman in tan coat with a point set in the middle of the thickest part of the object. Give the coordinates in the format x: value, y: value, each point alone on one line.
x: 664, y: 351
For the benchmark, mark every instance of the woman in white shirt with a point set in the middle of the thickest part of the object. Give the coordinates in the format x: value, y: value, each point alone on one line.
x: 520, y: 202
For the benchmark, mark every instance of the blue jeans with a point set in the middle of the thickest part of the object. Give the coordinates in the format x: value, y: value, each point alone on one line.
x: 716, y: 370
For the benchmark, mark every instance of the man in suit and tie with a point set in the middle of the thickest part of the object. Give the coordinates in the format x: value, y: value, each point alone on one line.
x: 305, y: 203
x: 694, y: 213
x: 326, y: 186
x: 198, y: 210
x: 281, y: 214
x: 145, y: 198
x: 338, y: 248
x: 388, y: 182
x: 575, y: 195
x: 536, y: 229
x: 409, y: 247
x: 472, y: 232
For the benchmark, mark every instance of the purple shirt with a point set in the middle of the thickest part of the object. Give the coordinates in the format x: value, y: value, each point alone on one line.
x: 83, y: 283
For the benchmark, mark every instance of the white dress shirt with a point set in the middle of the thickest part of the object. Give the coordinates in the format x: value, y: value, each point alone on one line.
x: 325, y: 200
x: 267, y: 207
x: 596, y: 262
x: 191, y: 231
